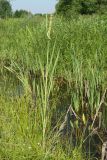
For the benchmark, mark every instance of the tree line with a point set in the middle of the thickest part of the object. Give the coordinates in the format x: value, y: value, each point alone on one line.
x: 6, y: 10
x: 70, y: 7
x: 63, y: 7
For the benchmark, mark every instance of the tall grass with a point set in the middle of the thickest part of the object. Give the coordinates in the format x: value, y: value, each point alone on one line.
x: 44, y: 67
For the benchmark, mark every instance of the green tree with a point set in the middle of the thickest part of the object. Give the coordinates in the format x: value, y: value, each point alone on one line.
x: 67, y: 7
x: 21, y: 13
x: 63, y: 6
x: 5, y: 9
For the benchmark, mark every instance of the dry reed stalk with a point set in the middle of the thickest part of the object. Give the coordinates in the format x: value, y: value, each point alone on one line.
x: 101, y: 102
x: 50, y: 27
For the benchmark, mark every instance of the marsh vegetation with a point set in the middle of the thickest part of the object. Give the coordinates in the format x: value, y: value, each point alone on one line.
x: 45, y: 67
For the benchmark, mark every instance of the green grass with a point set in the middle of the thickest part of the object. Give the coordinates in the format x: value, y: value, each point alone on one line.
x: 41, y: 75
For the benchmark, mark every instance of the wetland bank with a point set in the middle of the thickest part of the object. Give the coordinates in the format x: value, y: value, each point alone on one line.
x: 41, y: 76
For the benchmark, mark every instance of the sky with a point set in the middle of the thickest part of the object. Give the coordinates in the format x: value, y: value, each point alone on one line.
x: 35, y: 6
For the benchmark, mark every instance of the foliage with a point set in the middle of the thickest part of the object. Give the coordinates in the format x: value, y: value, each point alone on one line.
x: 63, y: 6
x: 81, y: 6
x: 5, y: 9
x: 21, y: 13
x: 88, y: 7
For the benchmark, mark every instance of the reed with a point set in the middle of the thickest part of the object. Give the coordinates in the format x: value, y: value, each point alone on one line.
x: 46, y: 66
